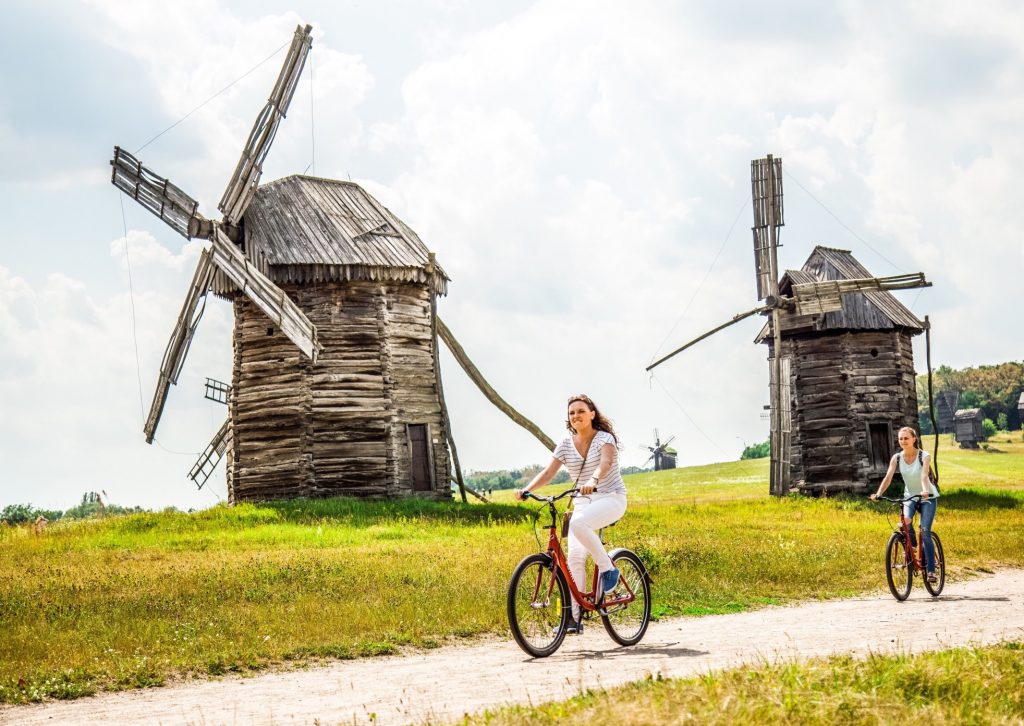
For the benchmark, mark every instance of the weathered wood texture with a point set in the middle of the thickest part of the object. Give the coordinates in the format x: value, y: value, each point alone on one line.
x: 339, y: 426
x: 841, y: 384
x: 967, y: 427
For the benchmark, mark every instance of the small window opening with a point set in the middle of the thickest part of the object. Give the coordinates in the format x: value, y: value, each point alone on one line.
x: 270, y: 331
x: 874, y: 352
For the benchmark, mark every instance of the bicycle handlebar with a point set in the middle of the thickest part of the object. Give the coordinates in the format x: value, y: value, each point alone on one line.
x: 911, y: 498
x: 549, y: 500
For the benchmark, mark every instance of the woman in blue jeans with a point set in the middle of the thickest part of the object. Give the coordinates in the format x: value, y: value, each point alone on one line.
x: 915, y: 467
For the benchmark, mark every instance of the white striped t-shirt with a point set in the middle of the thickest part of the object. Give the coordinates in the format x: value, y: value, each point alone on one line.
x: 611, y: 482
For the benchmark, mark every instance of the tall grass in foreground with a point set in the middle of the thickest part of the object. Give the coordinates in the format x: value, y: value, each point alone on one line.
x: 960, y: 686
x: 132, y: 601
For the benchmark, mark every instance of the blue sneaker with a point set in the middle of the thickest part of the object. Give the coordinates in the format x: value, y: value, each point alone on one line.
x: 609, y: 580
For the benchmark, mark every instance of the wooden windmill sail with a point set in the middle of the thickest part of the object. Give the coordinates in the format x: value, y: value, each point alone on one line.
x: 807, y: 297
x: 180, y: 212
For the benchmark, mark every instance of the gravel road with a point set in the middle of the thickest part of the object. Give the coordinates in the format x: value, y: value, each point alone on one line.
x: 443, y: 684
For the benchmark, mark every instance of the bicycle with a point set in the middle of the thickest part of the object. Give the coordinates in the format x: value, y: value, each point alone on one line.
x: 540, y: 591
x: 903, y: 560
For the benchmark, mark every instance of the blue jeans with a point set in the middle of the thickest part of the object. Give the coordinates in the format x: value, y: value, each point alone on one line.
x: 927, y: 509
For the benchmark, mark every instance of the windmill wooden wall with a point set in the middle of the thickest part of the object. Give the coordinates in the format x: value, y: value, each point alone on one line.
x: 851, y: 392
x: 340, y: 426
x: 852, y: 380
x: 366, y: 418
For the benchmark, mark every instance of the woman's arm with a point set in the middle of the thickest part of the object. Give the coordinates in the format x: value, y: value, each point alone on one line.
x: 926, y: 475
x: 542, y: 478
x: 887, y: 480
x: 603, y: 467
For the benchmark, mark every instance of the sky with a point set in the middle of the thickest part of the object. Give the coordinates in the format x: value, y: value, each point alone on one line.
x: 581, y: 170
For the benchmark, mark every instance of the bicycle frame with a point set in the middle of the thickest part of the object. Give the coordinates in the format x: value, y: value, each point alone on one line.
x: 914, y: 555
x: 586, y: 600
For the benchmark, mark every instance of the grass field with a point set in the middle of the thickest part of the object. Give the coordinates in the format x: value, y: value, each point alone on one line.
x: 959, y: 686
x: 137, y: 600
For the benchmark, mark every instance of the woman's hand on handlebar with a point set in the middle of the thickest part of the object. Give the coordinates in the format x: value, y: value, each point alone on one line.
x: 874, y: 497
x: 522, y: 494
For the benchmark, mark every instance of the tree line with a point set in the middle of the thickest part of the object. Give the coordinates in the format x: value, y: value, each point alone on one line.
x: 92, y: 505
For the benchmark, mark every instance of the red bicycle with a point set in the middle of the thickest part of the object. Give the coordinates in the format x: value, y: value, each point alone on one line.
x: 541, y: 590
x: 904, y: 560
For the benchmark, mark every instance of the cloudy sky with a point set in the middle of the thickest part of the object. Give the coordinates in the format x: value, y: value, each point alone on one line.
x: 580, y: 168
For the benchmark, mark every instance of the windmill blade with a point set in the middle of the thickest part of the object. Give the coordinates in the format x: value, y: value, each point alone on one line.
x: 766, y: 199
x: 267, y: 296
x: 649, y: 458
x: 181, y: 339
x: 250, y: 166
x: 217, y: 390
x: 158, y: 195
x: 669, y: 441
x: 723, y: 326
x: 815, y: 298
x: 211, y: 456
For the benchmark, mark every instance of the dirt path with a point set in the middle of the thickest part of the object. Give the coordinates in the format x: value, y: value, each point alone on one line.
x: 446, y: 683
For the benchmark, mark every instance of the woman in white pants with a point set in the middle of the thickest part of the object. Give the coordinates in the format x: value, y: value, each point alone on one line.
x: 591, y: 455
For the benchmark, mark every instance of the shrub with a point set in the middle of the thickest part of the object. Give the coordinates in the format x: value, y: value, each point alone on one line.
x: 21, y: 513
x: 1002, y: 423
x: 756, y: 451
x: 988, y: 429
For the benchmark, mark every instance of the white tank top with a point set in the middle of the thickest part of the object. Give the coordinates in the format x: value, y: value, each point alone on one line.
x: 912, y: 476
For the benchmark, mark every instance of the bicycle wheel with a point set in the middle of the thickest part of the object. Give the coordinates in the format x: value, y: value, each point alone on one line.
x: 539, y: 605
x: 627, y: 623
x: 897, y: 570
x: 940, y: 568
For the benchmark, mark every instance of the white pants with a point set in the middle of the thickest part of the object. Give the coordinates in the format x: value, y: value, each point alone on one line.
x: 589, y: 515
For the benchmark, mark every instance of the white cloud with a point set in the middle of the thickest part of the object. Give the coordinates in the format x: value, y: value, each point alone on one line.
x: 577, y: 166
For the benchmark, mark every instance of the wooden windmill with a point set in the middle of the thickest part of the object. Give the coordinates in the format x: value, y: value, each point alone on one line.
x: 335, y: 388
x: 662, y: 456
x: 813, y: 309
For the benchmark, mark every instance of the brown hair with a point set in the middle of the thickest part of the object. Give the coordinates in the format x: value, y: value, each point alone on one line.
x: 600, y: 422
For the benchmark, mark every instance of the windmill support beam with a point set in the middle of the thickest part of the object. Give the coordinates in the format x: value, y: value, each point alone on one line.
x: 267, y: 296
x: 474, y: 374
x: 181, y: 338
x: 723, y: 326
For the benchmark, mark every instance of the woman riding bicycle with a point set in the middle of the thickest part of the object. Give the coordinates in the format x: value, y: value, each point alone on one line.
x: 915, y: 467
x: 591, y: 457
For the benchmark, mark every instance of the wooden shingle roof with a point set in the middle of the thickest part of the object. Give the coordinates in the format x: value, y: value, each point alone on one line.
x: 873, y: 310
x: 307, y: 229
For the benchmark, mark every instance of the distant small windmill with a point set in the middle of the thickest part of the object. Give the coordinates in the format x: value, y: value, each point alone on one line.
x: 816, y: 298
x: 663, y: 456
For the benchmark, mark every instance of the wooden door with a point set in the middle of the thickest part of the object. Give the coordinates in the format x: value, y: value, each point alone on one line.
x: 880, y: 445
x: 419, y: 447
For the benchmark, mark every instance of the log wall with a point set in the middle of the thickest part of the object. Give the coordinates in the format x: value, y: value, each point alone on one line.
x: 841, y: 383
x: 337, y: 427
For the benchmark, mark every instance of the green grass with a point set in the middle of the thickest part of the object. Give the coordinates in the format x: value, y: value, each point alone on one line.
x: 959, y: 686
x: 137, y: 600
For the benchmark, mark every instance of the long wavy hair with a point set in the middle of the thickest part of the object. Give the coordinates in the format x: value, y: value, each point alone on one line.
x: 600, y: 422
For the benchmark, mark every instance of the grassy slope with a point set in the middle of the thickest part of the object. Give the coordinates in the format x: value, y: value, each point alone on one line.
x: 135, y: 600
x: 963, y: 685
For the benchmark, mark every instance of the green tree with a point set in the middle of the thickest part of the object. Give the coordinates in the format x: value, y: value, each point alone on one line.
x: 1002, y: 423
x: 757, y: 451
x: 988, y: 429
